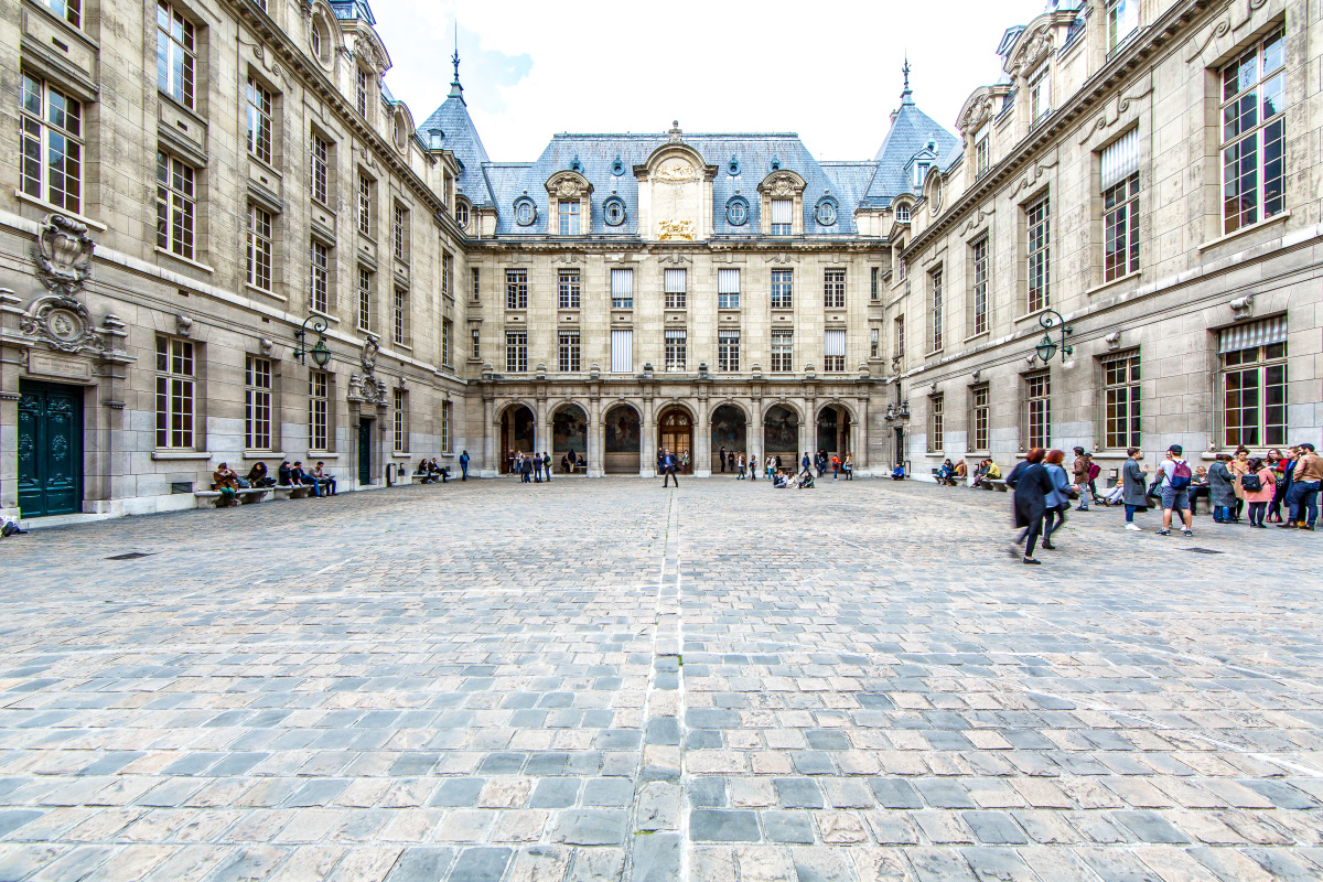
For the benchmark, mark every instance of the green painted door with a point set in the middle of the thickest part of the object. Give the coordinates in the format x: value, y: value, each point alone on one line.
x: 50, y: 449
x: 365, y: 452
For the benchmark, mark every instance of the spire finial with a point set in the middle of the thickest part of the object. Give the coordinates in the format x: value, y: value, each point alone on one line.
x: 905, y: 95
x: 456, y: 90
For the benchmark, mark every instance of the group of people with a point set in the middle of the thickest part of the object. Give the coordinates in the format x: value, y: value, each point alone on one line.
x: 432, y: 471
x: 531, y: 468
x: 228, y: 482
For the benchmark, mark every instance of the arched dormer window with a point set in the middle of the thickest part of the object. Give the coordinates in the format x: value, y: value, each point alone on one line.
x: 903, y: 213
x: 569, y: 203
x: 782, y: 204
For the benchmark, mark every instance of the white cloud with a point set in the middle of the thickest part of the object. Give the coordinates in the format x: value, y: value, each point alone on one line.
x: 534, y: 68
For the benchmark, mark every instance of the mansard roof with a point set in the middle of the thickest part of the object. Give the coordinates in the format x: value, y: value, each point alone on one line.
x: 353, y: 9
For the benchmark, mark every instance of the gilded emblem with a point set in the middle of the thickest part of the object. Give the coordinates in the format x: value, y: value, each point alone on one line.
x: 675, y: 230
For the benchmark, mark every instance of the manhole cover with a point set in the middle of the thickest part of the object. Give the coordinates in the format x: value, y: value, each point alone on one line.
x: 132, y: 555
x: 1202, y: 551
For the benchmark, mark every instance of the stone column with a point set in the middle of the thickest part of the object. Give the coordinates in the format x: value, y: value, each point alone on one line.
x: 702, y: 440
x: 490, y: 432
x: 541, y: 434
x: 596, y: 439
x: 859, y: 439
x: 805, y: 421
x: 648, y: 439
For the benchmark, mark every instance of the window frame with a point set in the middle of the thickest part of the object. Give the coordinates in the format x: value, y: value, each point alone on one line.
x: 569, y: 288
x: 366, y: 197
x: 447, y: 343
x: 783, y: 351
x: 679, y: 297
x: 728, y: 299
x: 980, y: 413
x: 1121, y: 225
x: 400, y: 317
x: 569, y: 351
x: 980, y: 258
x: 71, y: 11
x: 675, y: 349
x: 320, y: 157
x: 260, y: 248
x: 728, y: 351
x: 320, y: 273
x: 516, y: 352
x: 833, y: 288
x: 783, y: 289
x: 176, y: 393
x: 363, y: 315
x: 569, y: 219
x: 177, y: 40
x: 1039, y: 87
x: 936, y: 423
x: 516, y: 289
x: 1038, y: 253
x: 259, y: 110
x: 176, y: 205
x: 1256, y: 133
x: 1267, y: 359
x: 257, y: 403
x: 834, y: 364
x: 937, y: 309
x: 54, y: 127
x: 1121, y: 414
x: 400, y: 231
x: 1038, y: 409
x: 622, y: 302
x: 319, y: 410
x: 400, y: 420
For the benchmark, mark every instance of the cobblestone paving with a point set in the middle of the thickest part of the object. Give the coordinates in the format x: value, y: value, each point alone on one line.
x: 604, y: 680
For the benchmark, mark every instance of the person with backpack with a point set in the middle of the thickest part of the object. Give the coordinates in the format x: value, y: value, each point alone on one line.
x: 1079, y: 476
x: 1306, y: 479
x: 1260, y: 485
x: 1176, y: 474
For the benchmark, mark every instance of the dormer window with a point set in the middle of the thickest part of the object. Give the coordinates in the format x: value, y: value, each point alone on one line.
x: 361, y: 92
x: 1040, y: 95
x: 982, y: 152
x: 1122, y: 21
x: 783, y: 211
x: 569, y: 217
x: 921, y: 172
x: 902, y: 214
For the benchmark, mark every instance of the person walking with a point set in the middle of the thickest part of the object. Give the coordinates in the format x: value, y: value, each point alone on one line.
x: 1057, y: 502
x: 739, y: 462
x: 464, y: 466
x: 806, y: 464
x: 1306, y: 480
x: 1032, y: 484
x: 1176, y: 476
x: 721, y: 458
x: 510, y: 464
x: 1134, y: 486
x: 1259, y: 484
x: 753, y: 466
x: 1080, y: 477
x: 669, y: 467
x: 1221, y: 490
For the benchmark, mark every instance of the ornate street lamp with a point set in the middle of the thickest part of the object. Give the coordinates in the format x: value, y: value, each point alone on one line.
x: 320, y: 352
x: 1047, y: 347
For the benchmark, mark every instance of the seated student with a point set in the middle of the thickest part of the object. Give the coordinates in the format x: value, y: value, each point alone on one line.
x: 806, y: 481
x: 226, y: 480
x: 258, y: 476
x: 898, y: 473
x: 1116, y: 495
x: 565, y: 465
x: 436, y: 470
x: 323, y: 478
x: 780, y: 480
x: 283, y: 473
x: 299, y: 477
x: 424, y: 469
x: 960, y: 474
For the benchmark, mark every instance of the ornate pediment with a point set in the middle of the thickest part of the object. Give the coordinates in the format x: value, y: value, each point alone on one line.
x: 782, y: 185
x: 978, y: 110
x: 1033, y: 47
x: 568, y: 185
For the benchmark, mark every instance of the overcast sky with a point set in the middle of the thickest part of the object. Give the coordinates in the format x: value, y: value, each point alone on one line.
x: 828, y: 70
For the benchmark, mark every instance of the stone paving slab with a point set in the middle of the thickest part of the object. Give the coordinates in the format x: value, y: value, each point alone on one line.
x: 605, y: 680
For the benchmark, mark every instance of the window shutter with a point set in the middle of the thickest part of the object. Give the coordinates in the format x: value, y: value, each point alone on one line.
x: 670, y: 335
x: 1121, y: 159
x: 835, y: 343
x: 622, y: 283
x: 622, y: 352
x: 728, y: 281
x: 1252, y: 335
x: 782, y: 210
x: 673, y: 281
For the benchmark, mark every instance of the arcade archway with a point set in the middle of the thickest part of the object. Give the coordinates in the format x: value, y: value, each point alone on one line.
x: 623, y: 440
x: 518, y: 433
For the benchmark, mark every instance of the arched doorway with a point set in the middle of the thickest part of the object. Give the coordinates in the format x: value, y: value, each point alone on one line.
x: 834, y: 431
x: 729, y: 430
x: 781, y: 435
x: 518, y: 432
x: 569, y: 434
x: 675, y: 432
x: 623, y: 441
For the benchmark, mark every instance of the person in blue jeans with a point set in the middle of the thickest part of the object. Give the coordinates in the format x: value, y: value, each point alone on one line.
x: 1134, y: 486
x: 1306, y: 479
x: 464, y: 466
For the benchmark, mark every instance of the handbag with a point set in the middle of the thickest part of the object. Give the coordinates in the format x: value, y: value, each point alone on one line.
x: 1251, y: 483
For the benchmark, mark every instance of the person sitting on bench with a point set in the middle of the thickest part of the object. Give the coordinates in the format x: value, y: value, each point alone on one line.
x: 226, y: 480
x: 284, y: 474
x: 323, y: 479
x: 435, y: 470
x: 298, y: 477
x: 259, y: 477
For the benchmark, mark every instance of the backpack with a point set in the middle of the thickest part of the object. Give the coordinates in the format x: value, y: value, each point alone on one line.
x: 1181, y: 475
x: 1094, y: 471
x: 1251, y: 483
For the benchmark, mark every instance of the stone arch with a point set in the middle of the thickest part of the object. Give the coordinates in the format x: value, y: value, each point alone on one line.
x: 516, y: 425
x: 676, y: 425
x: 729, y: 427
x: 833, y: 428
x: 622, y: 424
x: 569, y: 432
x: 781, y: 423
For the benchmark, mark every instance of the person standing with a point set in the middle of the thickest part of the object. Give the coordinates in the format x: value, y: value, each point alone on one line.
x: 753, y: 466
x: 1080, y: 477
x: 1285, y: 471
x: 721, y: 458
x: 464, y: 465
x: 1176, y: 476
x: 546, y: 464
x: 1032, y: 484
x: 669, y: 467
x: 1305, y: 482
x: 848, y: 466
x: 1239, y: 467
x: 510, y: 463
x: 805, y: 464
x: 1259, y: 484
x: 1221, y: 490
x: 739, y: 463
x: 1134, y: 486
x: 525, y: 469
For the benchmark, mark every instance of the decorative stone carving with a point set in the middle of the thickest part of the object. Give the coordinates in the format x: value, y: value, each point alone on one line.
x: 976, y: 113
x: 675, y: 230
x: 62, y: 323
x: 1034, y: 48
x: 368, y: 357
x: 783, y: 185
x: 183, y: 325
x: 63, y: 254
x: 266, y: 345
x: 676, y: 171
x: 1113, y: 340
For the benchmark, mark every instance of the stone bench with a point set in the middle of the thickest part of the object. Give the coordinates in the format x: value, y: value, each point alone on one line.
x: 292, y: 491
x: 244, y: 496
x: 998, y: 485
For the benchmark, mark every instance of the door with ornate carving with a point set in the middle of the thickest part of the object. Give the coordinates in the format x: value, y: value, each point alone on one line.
x: 675, y: 432
x: 50, y: 449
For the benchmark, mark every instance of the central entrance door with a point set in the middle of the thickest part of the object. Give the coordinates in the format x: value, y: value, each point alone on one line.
x: 675, y: 432
x: 50, y: 449
x: 364, y: 452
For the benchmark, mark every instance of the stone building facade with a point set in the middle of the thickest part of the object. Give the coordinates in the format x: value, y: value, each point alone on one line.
x: 1147, y: 176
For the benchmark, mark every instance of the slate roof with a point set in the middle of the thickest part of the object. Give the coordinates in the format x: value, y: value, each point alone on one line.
x: 353, y: 9
x: 910, y: 133
x: 460, y: 136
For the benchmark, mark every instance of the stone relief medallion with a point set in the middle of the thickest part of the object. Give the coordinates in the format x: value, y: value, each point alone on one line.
x: 783, y: 186
x: 675, y: 230
x: 675, y: 171
x: 62, y: 323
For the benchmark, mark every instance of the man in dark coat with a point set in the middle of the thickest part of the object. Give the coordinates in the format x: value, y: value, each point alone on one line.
x: 1032, y: 484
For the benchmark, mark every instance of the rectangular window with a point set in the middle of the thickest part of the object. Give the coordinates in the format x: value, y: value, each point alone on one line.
x: 1038, y: 218
x: 69, y: 10
x: 319, y: 401
x: 570, y: 289
x: 978, y: 253
x: 783, y: 289
x: 982, y: 151
x: 361, y: 92
x: 622, y: 289
x: 783, y: 212
x: 364, y: 299
x: 321, y: 168
x: 875, y: 343
x: 257, y: 404
x: 677, y: 350
x: 1253, y: 383
x: 783, y: 350
x: 447, y: 409
x: 728, y: 289
x: 622, y: 352
x: 938, y: 308
x: 1253, y: 135
x: 400, y: 318
x: 175, y: 60
x: 1038, y: 410
x: 365, y: 205
x: 569, y: 217
x: 1122, y: 21
x: 259, y: 248
x: 401, y: 422
x: 978, y: 418
x: 476, y: 281
x: 1121, y: 229
x: 447, y: 274
x: 833, y: 289
x: 175, y: 205
x: 516, y: 352
x: 936, y: 434
x: 875, y: 282
x: 902, y: 217
x: 174, y: 393
x: 1040, y: 94
x: 728, y: 351
x: 399, y: 234
x: 903, y: 268
x: 321, y: 263
x: 259, y: 120
x: 569, y: 351
x: 674, y: 285
x: 447, y: 342
x: 52, y: 151
x: 833, y: 361
x: 1121, y: 401
x: 899, y: 337
x: 516, y: 289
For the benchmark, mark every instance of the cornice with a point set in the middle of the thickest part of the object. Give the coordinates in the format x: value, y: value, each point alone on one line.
x: 1177, y: 20
x: 768, y: 245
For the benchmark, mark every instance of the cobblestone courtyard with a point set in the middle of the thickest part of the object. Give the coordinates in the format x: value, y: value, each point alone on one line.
x: 604, y: 680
